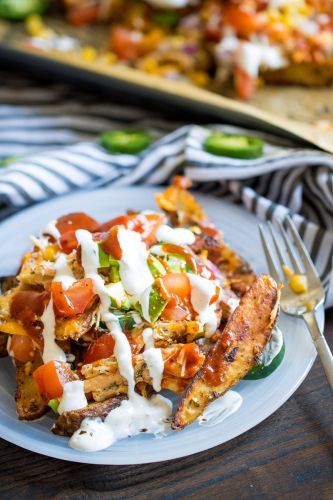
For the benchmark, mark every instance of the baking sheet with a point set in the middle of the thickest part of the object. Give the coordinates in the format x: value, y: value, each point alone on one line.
x: 299, y: 112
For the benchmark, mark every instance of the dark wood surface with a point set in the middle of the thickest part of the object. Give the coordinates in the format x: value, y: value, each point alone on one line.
x: 289, y: 455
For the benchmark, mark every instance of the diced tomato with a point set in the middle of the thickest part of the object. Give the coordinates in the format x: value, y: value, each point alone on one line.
x: 145, y: 224
x: 79, y: 15
x: 245, y: 84
x: 110, y: 243
x: 51, y: 378
x: 124, y: 43
x: 76, y: 220
x: 101, y: 348
x: 184, y: 361
x: 68, y: 242
x: 28, y: 305
x: 176, y: 288
x: 68, y: 224
x: 74, y: 300
x: 175, y: 284
x: 245, y: 22
x: 22, y: 348
x: 176, y: 312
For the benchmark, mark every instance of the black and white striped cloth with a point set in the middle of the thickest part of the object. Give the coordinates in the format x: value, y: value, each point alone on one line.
x: 52, y: 131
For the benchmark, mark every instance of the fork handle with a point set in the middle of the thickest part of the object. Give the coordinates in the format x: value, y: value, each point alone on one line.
x: 321, y: 345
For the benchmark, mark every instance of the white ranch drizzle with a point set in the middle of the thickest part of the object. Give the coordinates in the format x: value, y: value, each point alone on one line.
x: 93, y: 435
x: 137, y: 413
x: 133, y: 267
x: 51, y: 351
x: 175, y: 236
x: 73, y: 397
x: 153, y: 358
x: 202, y: 290
x: 220, y: 409
x: 40, y: 242
x: 63, y: 272
x: 144, y: 300
x: 272, y: 348
x: 148, y: 337
x: 52, y: 229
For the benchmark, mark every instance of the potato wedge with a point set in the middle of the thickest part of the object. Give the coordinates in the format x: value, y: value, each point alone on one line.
x: 29, y: 404
x: 237, y: 271
x: 235, y: 352
x: 70, y: 421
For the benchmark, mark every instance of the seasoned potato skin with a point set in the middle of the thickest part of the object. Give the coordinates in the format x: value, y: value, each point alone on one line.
x: 29, y: 404
x: 70, y: 421
x: 235, y: 352
x: 237, y: 271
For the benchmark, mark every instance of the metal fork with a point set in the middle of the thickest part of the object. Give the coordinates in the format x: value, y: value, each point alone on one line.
x: 301, y: 305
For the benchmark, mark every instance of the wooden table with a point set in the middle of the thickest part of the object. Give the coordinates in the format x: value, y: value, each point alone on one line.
x: 288, y: 455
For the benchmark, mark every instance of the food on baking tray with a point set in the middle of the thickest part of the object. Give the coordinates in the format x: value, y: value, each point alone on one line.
x: 210, y: 43
x: 105, y: 316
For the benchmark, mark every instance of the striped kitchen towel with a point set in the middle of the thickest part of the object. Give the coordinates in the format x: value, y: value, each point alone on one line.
x: 52, y: 133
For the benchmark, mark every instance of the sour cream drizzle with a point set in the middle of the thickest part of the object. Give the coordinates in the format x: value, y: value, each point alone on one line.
x: 51, y: 351
x: 175, y: 236
x: 202, y: 291
x: 153, y: 358
x: 272, y: 348
x: 220, y: 409
x: 63, y: 272
x: 52, y: 229
x: 73, y: 397
x: 144, y: 300
x: 133, y: 267
x: 137, y: 413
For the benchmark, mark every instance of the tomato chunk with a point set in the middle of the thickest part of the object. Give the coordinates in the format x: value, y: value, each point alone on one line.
x: 74, y: 300
x: 22, y: 348
x: 68, y: 224
x: 80, y: 15
x: 51, y: 378
x: 101, y: 348
x: 176, y: 289
x: 28, y: 305
x: 245, y: 84
x: 245, y: 22
x: 110, y: 243
x: 125, y: 44
x: 145, y: 224
x: 175, y: 284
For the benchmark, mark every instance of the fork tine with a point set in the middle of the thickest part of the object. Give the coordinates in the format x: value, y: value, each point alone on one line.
x: 268, y: 254
x: 291, y: 251
x: 304, y: 254
x: 276, y: 244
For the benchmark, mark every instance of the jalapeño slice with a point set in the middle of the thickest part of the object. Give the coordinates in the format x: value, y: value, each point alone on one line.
x: 125, y: 141
x: 244, y: 147
x: 17, y: 10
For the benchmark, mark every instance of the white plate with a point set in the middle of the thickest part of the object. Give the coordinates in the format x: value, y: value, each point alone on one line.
x: 261, y: 397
